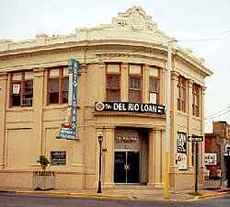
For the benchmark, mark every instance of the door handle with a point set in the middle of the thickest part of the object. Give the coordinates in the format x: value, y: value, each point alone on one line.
x: 126, y: 167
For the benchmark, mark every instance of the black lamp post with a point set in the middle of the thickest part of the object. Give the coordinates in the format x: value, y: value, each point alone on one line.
x: 100, y: 140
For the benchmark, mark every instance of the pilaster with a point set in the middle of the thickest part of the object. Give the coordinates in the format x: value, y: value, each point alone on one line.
x: 145, y: 87
x: 189, y: 120
x: 158, y: 159
x: 38, y: 101
x: 108, y: 157
x: 3, y: 102
x: 162, y: 97
x: 151, y: 164
x: 124, y: 81
x: 173, y: 114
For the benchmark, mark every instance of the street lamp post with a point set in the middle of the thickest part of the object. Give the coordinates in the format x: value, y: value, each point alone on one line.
x: 100, y: 140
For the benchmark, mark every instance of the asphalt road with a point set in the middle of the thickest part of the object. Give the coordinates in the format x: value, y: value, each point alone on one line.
x: 12, y: 200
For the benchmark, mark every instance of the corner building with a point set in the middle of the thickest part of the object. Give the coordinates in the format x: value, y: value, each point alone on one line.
x: 121, y: 63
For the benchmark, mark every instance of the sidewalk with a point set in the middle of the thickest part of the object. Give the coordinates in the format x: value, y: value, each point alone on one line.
x: 121, y: 194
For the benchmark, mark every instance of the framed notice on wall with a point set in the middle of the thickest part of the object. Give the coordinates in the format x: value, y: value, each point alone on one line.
x: 181, y: 156
x: 58, y: 157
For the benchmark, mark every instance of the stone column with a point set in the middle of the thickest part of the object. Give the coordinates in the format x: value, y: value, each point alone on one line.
x: 124, y: 82
x: 3, y: 104
x: 38, y: 102
x: 158, y: 159
x: 108, y: 157
x: 189, y: 121
x: 151, y: 164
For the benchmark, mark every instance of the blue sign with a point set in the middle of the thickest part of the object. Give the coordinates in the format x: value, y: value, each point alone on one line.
x: 70, y: 132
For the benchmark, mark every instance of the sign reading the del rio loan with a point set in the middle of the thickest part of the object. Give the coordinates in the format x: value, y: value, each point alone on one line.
x: 130, y: 107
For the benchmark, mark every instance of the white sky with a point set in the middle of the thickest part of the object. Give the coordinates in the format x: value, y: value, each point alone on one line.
x: 184, y: 20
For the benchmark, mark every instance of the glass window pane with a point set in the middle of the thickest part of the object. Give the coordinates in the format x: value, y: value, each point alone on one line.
x: 54, y: 73
x: 53, y: 85
x: 53, y: 91
x: 135, y: 69
x: 134, y: 96
x: 113, y: 68
x: 113, y: 95
x: 153, y: 72
x: 153, y: 84
x: 65, y: 72
x: 65, y: 90
x: 113, y: 81
x: 27, y: 96
x: 134, y: 83
x: 16, y: 76
x: 29, y: 75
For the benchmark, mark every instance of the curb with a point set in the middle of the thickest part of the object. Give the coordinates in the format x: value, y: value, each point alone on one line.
x: 216, y: 195
x: 72, y: 195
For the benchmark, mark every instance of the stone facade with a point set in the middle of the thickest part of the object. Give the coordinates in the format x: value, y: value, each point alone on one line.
x: 132, y: 39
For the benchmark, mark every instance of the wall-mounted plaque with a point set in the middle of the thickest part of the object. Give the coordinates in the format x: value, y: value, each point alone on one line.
x: 58, y: 157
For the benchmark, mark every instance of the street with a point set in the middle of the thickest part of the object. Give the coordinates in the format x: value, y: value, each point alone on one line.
x: 13, y: 200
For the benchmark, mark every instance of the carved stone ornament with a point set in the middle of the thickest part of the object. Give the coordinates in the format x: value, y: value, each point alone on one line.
x: 136, y: 19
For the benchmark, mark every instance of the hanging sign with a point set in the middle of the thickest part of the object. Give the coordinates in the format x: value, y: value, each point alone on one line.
x: 195, y: 138
x: 68, y: 130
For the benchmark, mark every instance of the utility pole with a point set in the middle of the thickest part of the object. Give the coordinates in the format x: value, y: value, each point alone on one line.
x: 168, y: 121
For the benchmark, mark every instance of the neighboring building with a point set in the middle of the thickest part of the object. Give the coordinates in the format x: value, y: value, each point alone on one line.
x: 123, y: 62
x: 217, y: 144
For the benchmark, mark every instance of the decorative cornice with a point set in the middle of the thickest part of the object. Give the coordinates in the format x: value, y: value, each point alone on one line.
x: 134, y: 25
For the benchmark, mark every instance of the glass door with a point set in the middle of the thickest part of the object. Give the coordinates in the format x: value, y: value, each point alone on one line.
x: 126, y: 167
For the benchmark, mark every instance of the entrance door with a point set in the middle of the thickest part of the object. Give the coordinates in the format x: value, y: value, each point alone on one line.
x: 126, y: 167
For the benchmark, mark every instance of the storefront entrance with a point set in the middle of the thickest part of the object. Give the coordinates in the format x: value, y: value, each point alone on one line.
x: 126, y: 167
x: 131, y: 156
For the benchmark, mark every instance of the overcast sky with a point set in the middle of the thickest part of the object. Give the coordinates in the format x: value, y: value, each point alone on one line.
x: 206, y: 21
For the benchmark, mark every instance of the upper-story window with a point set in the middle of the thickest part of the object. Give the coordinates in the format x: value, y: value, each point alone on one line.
x: 135, y: 83
x: 58, y: 83
x: 113, y: 89
x: 181, y: 100
x: 154, y: 85
x: 196, y: 100
x: 21, y: 92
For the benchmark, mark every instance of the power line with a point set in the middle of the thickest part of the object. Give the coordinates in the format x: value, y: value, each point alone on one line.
x: 216, y: 113
x: 224, y: 113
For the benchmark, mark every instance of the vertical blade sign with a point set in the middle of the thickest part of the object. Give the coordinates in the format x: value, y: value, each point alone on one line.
x: 69, y: 128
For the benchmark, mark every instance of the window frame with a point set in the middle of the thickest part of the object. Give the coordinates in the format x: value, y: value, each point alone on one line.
x: 195, y: 98
x: 136, y: 76
x: 112, y: 74
x: 61, y: 79
x: 22, y: 88
x: 182, y: 94
x: 157, y: 92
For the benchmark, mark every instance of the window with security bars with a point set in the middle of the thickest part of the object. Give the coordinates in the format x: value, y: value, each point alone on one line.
x: 196, y: 100
x: 21, y: 90
x: 154, y: 86
x: 181, y: 100
x: 57, y: 86
x: 135, y: 83
x: 113, y: 89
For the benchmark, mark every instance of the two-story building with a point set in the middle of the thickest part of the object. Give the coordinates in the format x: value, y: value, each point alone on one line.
x: 121, y: 94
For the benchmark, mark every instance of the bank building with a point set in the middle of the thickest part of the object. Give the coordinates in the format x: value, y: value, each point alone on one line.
x: 121, y: 96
